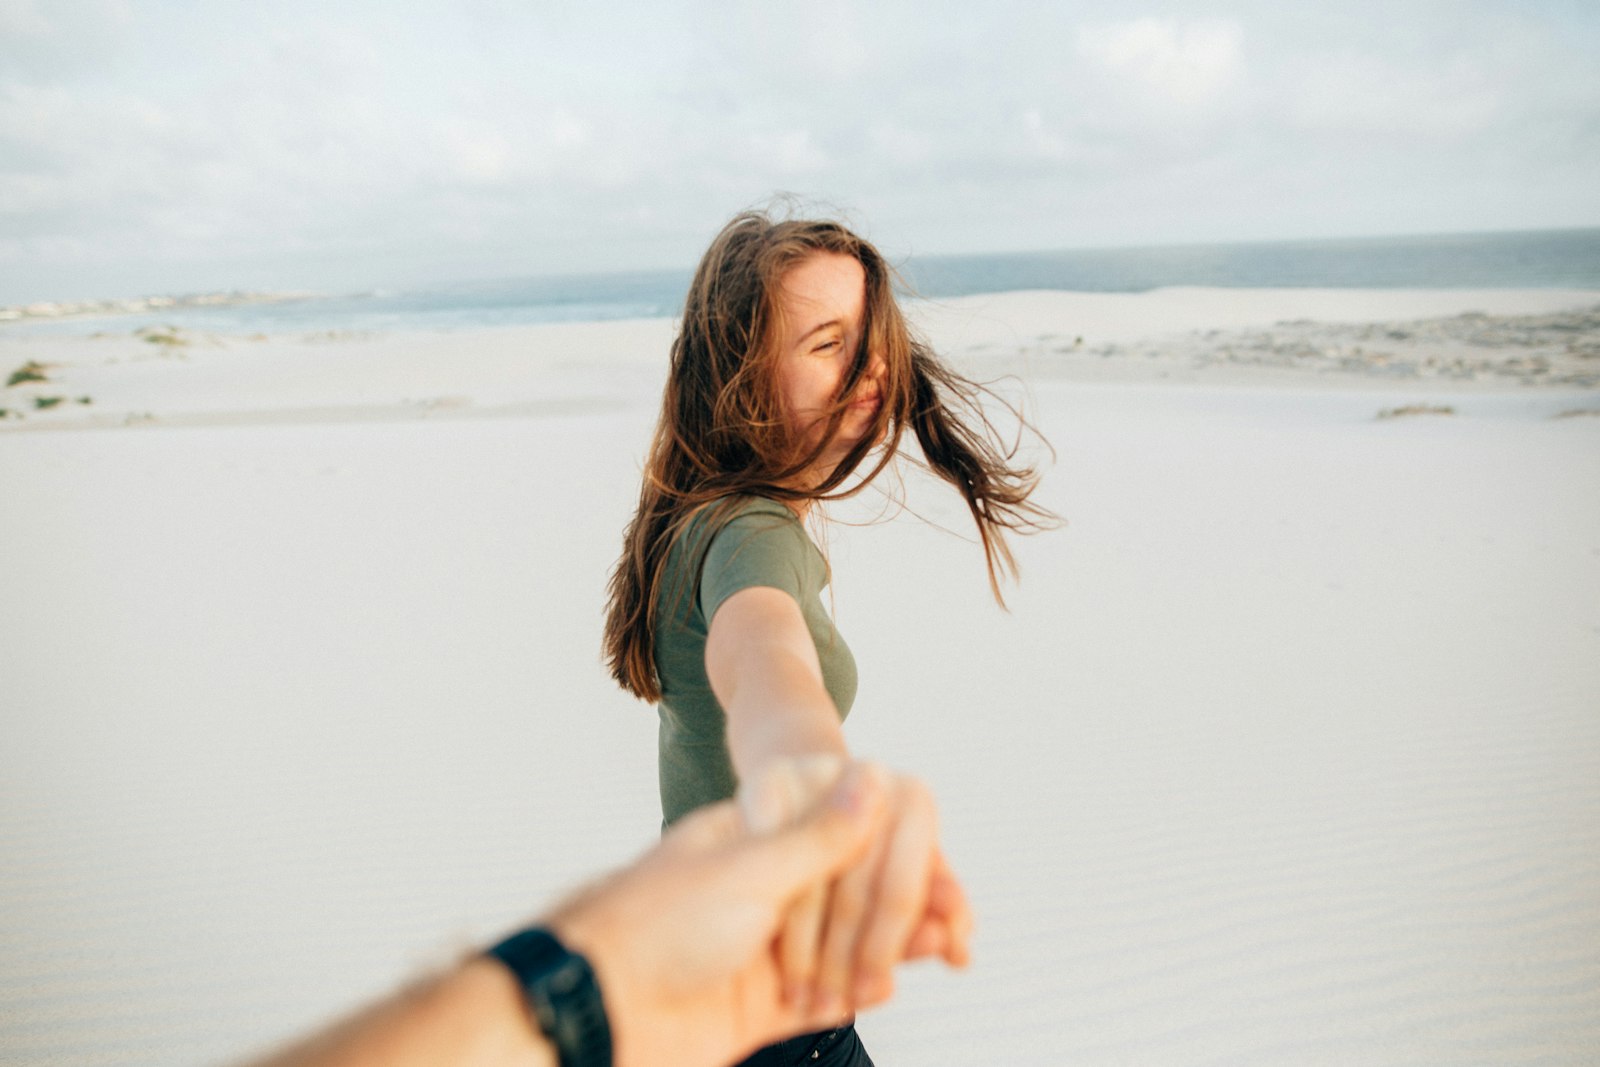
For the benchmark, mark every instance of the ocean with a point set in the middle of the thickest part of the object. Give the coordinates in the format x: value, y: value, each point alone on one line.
x: 1525, y: 260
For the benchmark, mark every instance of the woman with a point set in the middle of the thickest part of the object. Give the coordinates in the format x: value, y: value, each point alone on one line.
x: 793, y: 379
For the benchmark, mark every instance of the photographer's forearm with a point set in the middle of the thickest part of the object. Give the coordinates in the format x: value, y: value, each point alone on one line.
x: 680, y: 942
x: 472, y: 1016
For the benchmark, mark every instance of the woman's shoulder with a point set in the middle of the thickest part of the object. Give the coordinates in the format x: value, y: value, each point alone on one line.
x: 761, y: 542
x: 732, y: 524
x: 717, y: 515
x: 761, y: 505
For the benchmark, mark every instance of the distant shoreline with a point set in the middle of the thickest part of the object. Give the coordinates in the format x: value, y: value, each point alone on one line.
x: 143, y: 305
x: 1536, y: 259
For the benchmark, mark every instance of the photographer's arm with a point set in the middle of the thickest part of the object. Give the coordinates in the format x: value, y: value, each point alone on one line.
x: 681, y: 942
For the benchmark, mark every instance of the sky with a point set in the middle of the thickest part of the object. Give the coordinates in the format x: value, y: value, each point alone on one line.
x: 170, y: 147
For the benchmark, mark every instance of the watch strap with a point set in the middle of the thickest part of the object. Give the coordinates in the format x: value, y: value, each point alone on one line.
x: 563, y: 995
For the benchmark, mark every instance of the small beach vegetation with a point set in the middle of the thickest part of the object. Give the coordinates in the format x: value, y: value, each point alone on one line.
x: 162, y: 335
x: 1416, y: 409
x: 44, y: 403
x: 28, y: 372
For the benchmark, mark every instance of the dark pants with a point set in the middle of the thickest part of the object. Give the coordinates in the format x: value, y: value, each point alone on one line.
x: 828, y: 1048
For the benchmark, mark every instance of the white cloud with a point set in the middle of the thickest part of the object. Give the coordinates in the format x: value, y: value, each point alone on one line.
x: 480, y: 156
x: 1364, y: 95
x: 22, y: 18
x: 1178, y: 64
x: 1044, y: 140
x: 788, y: 152
x: 903, y: 145
x: 59, y: 37
x: 80, y: 150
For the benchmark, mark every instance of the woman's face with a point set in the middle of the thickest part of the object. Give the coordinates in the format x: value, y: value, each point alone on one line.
x: 823, y: 301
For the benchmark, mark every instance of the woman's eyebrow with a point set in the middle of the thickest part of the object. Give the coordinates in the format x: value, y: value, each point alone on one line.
x: 816, y: 329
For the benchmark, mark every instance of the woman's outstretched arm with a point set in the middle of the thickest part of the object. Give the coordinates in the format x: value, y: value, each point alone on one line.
x: 764, y: 670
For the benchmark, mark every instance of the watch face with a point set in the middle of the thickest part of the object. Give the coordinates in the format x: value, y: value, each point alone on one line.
x: 565, y: 978
x: 545, y: 1012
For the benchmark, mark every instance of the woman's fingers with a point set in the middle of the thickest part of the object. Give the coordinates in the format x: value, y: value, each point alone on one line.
x: 778, y: 797
x: 847, y: 909
x: 799, y: 945
x: 947, y: 902
x: 839, y: 944
x: 900, y: 896
x: 946, y: 927
x: 930, y: 938
x: 880, y: 904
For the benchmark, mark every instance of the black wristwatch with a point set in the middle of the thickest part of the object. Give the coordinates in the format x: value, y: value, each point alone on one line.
x: 563, y: 995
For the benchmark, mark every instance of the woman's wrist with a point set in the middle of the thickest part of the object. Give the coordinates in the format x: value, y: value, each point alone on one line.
x: 784, y: 789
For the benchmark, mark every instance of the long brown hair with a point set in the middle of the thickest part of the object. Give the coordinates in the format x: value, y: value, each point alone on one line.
x: 723, y: 434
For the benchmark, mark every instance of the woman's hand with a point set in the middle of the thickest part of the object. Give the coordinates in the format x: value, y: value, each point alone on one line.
x: 775, y: 799
x: 899, y: 902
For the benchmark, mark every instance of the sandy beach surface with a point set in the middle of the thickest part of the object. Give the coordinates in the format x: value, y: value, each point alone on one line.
x: 1287, y: 752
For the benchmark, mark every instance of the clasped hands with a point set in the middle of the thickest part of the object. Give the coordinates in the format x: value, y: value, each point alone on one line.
x: 782, y: 913
x: 899, y: 901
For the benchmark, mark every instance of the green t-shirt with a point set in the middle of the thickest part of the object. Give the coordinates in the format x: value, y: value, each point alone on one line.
x: 763, y: 544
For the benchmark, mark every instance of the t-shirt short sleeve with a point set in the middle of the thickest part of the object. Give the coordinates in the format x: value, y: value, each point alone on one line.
x: 755, y: 549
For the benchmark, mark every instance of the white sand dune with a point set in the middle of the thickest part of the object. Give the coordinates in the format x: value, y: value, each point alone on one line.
x: 1287, y: 753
